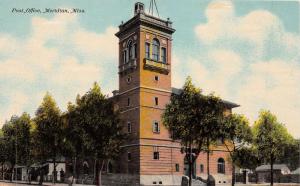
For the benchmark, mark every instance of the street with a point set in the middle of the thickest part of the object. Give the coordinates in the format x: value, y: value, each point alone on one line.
x: 22, y: 184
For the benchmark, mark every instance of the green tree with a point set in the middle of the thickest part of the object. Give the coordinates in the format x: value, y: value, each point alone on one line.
x: 74, y: 135
x: 49, y: 133
x: 3, y: 152
x: 101, y: 128
x: 246, y: 157
x: 270, y: 138
x: 9, y: 137
x: 190, y: 116
x: 237, y: 133
x: 23, y: 125
x: 212, y: 125
x: 291, y: 154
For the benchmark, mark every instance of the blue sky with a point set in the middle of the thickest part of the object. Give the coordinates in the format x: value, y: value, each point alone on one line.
x: 245, y: 51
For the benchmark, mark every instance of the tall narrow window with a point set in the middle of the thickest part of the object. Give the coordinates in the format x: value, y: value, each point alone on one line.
x: 177, y: 167
x: 221, y: 166
x: 155, y: 50
x: 164, y: 55
x: 124, y: 56
x: 128, y: 127
x: 128, y: 156
x: 130, y: 50
x: 135, y: 50
x: 155, y: 126
x: 128, y: 102
x: 147, y: 50
x: 156, y: 101
x: 201, y: 168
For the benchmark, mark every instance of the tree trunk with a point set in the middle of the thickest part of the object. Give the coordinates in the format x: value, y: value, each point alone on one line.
x: 41, y: 176
x: 271, y: 162
x: 100, y: 173
x: 12, y: 172
x: 54, y: 171
x: 28, y: 174
x: 190, y: 164
x: 207, y: 143
x: 95, y: 176
x: 75, y: 168
x: 74, y: 173
x: 2, y: 171
x: 208, y: 172
x: 233, y: 174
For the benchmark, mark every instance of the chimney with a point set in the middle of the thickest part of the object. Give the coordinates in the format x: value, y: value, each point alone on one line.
x: 138, y: 8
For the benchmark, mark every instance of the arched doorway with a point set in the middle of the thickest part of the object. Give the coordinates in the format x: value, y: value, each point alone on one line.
x: 186, y: 168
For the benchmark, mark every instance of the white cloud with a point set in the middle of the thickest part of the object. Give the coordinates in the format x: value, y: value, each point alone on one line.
x: 58, y: 56
x: 11, y: 68
x: 222, y: 23
x: 217, y: 13
x: 18, y: 100
x: 273, y: 85
x: 93, y: 44
x: 250, y: 59
x: 212, y: 73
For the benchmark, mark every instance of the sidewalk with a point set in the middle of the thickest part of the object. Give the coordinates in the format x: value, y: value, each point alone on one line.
x: 32, y: 183
x: 36, y: 183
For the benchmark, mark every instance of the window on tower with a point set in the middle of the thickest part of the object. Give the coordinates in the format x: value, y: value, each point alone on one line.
x: 156, y: 101
x: 147, y: 50
x: 155, y: 50
x: 135, y: 50
x: 130, y: 50
x: 156, y: 155
x: 128, y: 156
x: 155, y: 127
x: 164, y: 55
x: 129, y: 127
x: 124, y: 56
x: 128, y: 102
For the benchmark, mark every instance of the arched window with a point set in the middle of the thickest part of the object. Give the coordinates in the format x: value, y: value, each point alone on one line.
x: 85, y: 167
x: 201, y: 168
x: 130, y: 50
x: 155, y: 50
x: 221, y: 166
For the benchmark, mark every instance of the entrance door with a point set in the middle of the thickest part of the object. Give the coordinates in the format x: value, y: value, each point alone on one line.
x: 186, y: 168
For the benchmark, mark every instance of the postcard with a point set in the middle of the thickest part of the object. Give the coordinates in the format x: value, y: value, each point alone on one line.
x: 149, y: 92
